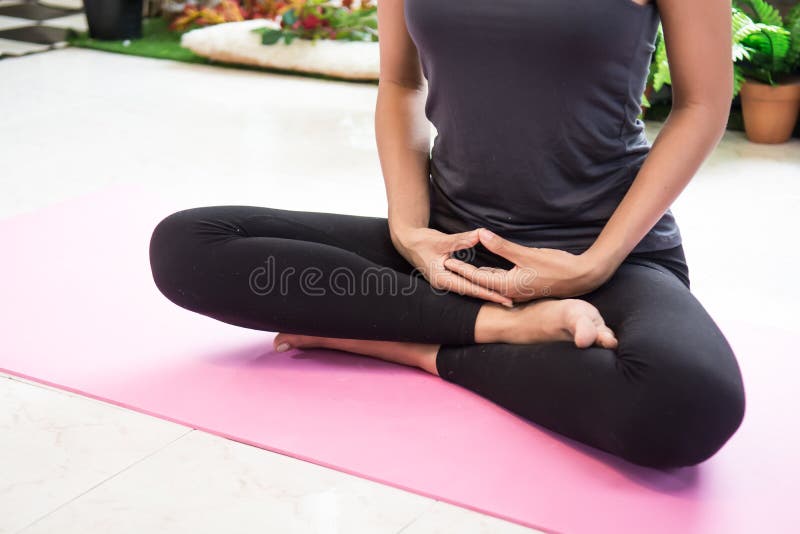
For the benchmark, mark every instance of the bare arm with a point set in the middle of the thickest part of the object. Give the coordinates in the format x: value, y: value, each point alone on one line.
x: 401, y: 130
x: 403, y: 135
x: 698, y: 40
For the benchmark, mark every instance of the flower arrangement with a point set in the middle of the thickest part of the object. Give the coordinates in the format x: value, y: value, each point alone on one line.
x: 205, y: 12
x: 304, y: 19
x: 224, y: 11
x: 323, y: 19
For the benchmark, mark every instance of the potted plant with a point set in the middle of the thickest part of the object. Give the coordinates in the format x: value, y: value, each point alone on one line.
x: 659, y: 75
x: 766, y: 54
x: 114, y: 20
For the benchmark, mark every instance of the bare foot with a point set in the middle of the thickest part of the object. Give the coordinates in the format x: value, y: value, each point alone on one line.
x: 537, y: 321
x: 420, y: 355
x: 544, y: 320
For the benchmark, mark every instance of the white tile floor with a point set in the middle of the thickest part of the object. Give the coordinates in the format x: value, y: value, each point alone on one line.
x: 73, y: 120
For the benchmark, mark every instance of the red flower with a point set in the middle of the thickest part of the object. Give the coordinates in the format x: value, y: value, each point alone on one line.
x: 310, y: 22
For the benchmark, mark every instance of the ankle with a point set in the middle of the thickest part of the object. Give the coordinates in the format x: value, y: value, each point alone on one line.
x: 494, y: 323
x: 426, y: 360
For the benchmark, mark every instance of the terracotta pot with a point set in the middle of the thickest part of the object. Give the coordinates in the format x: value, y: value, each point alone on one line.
x: 770, y: 112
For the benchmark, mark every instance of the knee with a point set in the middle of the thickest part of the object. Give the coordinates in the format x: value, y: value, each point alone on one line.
x: 168, y: 250
x: 684, y: 414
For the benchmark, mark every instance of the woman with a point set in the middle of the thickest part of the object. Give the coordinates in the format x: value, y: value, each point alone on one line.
x: 540, y: 187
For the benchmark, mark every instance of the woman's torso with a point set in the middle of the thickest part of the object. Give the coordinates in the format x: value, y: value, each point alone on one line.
x: 535, y: 103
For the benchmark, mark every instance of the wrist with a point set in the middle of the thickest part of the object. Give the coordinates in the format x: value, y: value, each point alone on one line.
x: 400, y: 234
x: 600, y: 263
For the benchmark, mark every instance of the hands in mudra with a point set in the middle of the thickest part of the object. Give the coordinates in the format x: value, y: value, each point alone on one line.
x: 428, y: 249
x: 537, y: 272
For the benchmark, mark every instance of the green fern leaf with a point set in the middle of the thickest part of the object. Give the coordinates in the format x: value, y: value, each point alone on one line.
x: 740, y: 52
x: 764, y: 12
x: 760, y: 50
x: 793, y: 15
x: 766, y: 40
x: 739, y: 19
x: 738, y: 80
x: 661, y: 75
x: 793, y: 25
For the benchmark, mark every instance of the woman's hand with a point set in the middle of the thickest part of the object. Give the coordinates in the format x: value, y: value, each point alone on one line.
x: 537, y: 272
x: 428, y: 249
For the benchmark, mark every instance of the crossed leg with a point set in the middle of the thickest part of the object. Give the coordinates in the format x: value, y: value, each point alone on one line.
x: 670, y: 394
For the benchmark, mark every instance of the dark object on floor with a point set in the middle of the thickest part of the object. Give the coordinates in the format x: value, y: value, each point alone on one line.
x: 114, y: 20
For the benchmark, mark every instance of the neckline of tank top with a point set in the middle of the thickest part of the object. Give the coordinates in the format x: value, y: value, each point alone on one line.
x: 640, y: 9
x: 650, y: 5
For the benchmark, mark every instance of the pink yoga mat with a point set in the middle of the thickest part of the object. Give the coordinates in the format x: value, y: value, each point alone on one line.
x: 80, y: 312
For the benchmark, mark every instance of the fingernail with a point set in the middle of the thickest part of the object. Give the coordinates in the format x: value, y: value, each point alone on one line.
x: 488, y: 234
x: 508, y: 304
x: 283, y: 347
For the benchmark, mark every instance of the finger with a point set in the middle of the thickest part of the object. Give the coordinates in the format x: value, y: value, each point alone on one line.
x: 488, y: 269
x: 461, y: 241
x: 585, y: 334
x: 517, y: 284
x: 495, y: 279
x: 606, y: 338
x: 502, y: 247
x: 449, y: 281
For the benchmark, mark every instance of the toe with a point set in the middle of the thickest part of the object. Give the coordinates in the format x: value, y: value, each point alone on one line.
x: 606, y: 338
x: 282, y: 342
x: 585, y: 332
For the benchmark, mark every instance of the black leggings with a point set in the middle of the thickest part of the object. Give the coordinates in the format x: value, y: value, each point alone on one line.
x: 670, y: 395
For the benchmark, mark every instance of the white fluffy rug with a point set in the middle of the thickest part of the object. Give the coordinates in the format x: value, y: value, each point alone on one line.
x: 234, y: 42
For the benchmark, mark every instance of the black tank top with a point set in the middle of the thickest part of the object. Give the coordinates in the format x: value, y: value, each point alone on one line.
x: 535, y: 103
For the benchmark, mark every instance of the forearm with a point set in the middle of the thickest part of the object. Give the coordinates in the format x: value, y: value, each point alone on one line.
x: 688, y: 136
x: 702, y: 86
x: 403, y: 137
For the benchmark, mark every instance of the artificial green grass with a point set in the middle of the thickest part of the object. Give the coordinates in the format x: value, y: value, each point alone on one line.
x: 159, y: 42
